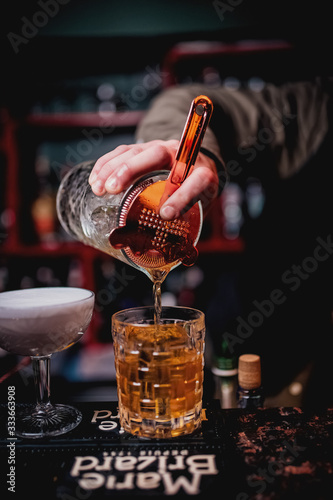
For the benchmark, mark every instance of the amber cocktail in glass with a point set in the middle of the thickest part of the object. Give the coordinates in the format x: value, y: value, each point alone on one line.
x: 159, y: 370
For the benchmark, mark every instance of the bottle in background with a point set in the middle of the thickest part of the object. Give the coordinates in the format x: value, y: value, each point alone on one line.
x: 250, y: 392
x: 225, y: 374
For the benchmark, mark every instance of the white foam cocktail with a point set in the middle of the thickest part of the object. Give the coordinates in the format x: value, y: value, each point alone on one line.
x: 41, y: 321
x: 37, y: 322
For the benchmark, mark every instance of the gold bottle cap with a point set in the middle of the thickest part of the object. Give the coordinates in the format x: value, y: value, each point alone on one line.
x: 249, y: 371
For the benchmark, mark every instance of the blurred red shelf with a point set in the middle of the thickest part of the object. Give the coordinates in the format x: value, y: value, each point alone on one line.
x: 57, y: 249
x: 109, y: 119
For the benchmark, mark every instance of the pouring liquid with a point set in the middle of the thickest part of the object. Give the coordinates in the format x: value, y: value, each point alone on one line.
x: 153, y: 244
x: 150, y: 242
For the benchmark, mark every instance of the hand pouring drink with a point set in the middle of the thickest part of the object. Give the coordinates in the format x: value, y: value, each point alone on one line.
x: 127, y: 225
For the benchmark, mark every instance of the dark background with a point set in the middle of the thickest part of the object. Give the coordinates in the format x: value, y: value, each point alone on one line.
x: 86, y: 37
x: 62, y: 63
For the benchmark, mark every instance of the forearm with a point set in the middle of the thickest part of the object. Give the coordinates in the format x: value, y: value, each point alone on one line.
x: 288, y: 121
x: 167, y: 116
x: 278, y: 129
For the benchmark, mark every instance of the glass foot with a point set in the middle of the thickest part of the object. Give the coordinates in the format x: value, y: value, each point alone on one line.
x: 45, y: 420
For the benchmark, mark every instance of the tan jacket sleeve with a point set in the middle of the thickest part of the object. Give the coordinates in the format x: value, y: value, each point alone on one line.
x: 291, y: 121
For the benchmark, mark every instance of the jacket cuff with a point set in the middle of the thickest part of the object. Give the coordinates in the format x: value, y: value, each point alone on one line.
x: 220, y: 167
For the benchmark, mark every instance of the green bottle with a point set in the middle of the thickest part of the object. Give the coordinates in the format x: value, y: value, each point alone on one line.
x: 226, y: 377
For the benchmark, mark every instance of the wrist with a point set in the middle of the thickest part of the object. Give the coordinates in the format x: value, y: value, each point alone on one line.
x: 220, y: 168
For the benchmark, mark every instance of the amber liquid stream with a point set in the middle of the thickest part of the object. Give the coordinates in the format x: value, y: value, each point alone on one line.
x: 159, y: 375
x: 160, y: 382
x: 154, y: 244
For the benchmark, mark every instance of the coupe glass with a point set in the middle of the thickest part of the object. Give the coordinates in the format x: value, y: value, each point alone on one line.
x: 37, y: 322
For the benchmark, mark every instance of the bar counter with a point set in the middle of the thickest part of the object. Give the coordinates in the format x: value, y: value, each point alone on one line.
x: 274, y: 453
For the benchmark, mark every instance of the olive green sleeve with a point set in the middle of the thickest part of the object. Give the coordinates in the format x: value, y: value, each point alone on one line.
x: 290, y: 121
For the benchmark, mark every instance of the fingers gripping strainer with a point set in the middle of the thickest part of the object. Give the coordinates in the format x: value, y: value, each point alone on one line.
x: 147, y: 239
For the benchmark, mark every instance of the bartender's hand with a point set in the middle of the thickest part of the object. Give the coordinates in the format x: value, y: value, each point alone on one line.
x: 115, y: 171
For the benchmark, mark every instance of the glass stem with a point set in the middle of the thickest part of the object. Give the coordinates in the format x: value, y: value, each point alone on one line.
x: 41, y: 370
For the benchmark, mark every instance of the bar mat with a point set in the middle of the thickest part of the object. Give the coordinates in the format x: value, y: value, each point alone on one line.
x: 276, y: 453
x: 280, y: 453
x: 97, y: 460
